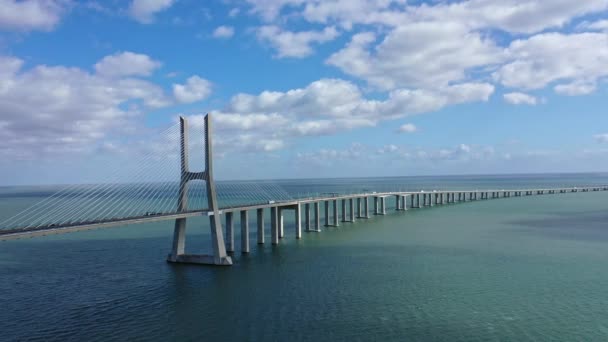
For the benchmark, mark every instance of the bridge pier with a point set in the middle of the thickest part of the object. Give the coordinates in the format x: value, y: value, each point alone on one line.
x: 260, y: 214
x: 344, y: 210
x: 274, y: 225
x: 326, y: 213
x: 366, y: 207
x: 244, y: 232
x: 382, y: 206
x: 281, y: 224
x: 298, y: 222
x: 317, y: 218
x: 229, y: 233
x: 307, y: 216
x: 336, y: 224
x: 352, y: 209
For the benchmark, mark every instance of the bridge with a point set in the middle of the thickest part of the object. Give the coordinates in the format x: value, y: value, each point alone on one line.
x: 108, y: 205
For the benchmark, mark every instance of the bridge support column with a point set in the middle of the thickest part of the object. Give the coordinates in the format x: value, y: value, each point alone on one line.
x: 298, y: 222
x: 244, y: 232
x: 352, y: 209
x: 326, y: 213
x: 432, y: 196
x: 404, y: 202
x: 281, y: 224
x: 397, y: 202
x: 307, y: 216
x: 376, y: 212
x: 260, y: 214
x: 317, y: 218
x: 359, y: 208
x: 274, y: 225
x: 366, y: 206
x: 336, y: 224
x: 383, y: 205
x: 229, y: 233
x: 344, y: 210
x: 179, y: 238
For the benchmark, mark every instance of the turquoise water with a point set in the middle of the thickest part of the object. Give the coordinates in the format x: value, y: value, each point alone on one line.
x: 530, y: 268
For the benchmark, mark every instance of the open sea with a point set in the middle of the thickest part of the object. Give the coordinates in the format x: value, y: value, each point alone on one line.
x: 514, y: 269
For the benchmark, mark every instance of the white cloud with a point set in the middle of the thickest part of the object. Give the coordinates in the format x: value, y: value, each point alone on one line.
x: 143, y: 11
x: 50, y: 109
x: 223, y: 32
x: 195, y: 89
x: 126, y: 64
x: 520, y: 98
x: 575, y: 88
x: 234, y: 12
x: 515, y: 16
x: 28, y: 15
x: 417, y: 55
x: 407, y: 128
x: 294, y: 44
x: 601, y: 138
x: 328, y: 106
x: 554, y: 57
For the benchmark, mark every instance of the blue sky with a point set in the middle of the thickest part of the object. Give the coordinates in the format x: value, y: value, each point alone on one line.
x: 305, y: 88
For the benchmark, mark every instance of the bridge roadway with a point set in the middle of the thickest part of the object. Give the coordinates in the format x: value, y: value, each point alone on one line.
x: 417, y: 199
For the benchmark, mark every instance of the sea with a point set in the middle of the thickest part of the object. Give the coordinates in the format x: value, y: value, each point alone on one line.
x: 510, y: 269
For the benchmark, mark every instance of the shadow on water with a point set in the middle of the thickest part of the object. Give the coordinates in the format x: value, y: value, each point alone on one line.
x: 586, y: 225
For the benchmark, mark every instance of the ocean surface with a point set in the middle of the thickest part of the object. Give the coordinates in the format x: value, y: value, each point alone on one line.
x: 514, y: 269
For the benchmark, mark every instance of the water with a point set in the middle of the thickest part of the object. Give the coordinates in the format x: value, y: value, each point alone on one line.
x: 530, y: 268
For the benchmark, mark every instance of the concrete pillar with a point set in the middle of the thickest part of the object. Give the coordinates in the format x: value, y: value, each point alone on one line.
x: 274, y: 225
x: 359, y: 208
x: 281, y: 224
x: 229, y: 233
x: 244, y: 232
x: 366, y: 206
x: 179, y: 239
x: 317, y: 218
x: 326, y: 213
x: 352, y: 209
x: 298, y: 222
x: 343, y: 210
x: 432, y: 197
x: 397, y: 202
x: 404, y: 202
x: 383, y: 205
x: 307, y: 216
x: 260, y: 214
x: 336, y: 224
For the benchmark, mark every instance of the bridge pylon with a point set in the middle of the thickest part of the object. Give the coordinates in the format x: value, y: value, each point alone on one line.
x: 178, y: 254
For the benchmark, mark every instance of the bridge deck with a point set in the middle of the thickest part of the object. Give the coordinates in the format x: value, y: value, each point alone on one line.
x: 17, y: 233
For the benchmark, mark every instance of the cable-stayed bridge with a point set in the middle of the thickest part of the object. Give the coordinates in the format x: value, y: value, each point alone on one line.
x: 159, y: 190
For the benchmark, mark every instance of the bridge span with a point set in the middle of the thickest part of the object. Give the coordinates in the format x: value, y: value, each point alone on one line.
x: 307, y: 211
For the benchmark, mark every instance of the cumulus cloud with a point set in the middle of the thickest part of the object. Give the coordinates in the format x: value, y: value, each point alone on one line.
x: 50, y: 109
x: 126, y: 64
x: 328, y: 106
x: 294, y: 44
x: 407, y: 128
x: 195, y: 89
x: 223, y: 32
x: 143, y: 11
x: 555, y: 57
x: 416, y: 55
x: 520, y: 98
x: 28, y: 15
